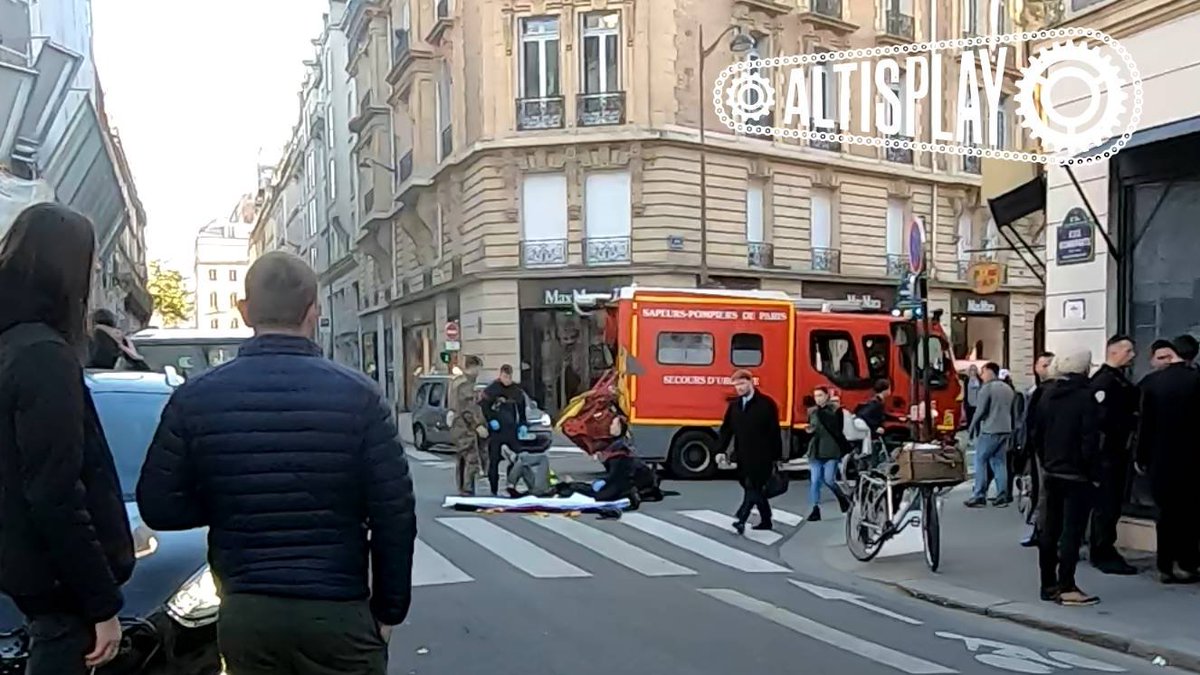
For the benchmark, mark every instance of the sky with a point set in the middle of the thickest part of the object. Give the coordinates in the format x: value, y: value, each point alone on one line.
x: 201, y: 92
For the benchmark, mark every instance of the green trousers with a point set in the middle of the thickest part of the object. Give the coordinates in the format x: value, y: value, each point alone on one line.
x: 259, y: 635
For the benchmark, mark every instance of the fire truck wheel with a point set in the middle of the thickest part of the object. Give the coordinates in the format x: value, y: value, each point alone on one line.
x: 693, y: 455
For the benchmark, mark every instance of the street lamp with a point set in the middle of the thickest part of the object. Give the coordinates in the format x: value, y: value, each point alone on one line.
x: 366, y: 162
x: 740, y: 44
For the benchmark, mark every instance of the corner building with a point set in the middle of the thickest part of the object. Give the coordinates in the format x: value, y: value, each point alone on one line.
x: 512, y: 153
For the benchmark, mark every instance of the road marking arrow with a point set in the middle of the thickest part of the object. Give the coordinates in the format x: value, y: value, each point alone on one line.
x: 850, y: 598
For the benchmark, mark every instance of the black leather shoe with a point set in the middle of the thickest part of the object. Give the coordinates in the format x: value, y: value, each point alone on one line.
x: 739, y: 527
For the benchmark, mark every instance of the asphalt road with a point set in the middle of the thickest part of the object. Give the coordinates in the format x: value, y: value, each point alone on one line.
x: 664, y: 590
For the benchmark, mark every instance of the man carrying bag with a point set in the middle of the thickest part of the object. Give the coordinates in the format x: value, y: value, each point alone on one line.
x: 752, y: 424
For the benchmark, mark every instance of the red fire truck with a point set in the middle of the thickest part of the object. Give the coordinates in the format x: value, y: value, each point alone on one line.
x: 675, y: 349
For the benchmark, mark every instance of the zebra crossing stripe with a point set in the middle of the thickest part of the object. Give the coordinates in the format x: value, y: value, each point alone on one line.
x: 833, y: 637
x: 789, y: 519
x: 725, y: 522
x: 613, y: 548
x: 431, y: 568
x: 422, y: 456
x: 512, y: 549
x: 700, y: 545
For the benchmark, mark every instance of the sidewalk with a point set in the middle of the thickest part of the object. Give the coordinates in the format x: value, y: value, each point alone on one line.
x: 985, y: 571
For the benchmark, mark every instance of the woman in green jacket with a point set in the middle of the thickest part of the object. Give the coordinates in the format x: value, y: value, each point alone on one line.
x: 826, y: 446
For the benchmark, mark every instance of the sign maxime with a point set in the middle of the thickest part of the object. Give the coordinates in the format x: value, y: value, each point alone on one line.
x: 745, y: 96
x: 1076, y: 238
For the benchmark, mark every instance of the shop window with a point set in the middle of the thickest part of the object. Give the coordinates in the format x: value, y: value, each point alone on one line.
x: 436, y: 393
x: 878, y: 350
x: 685, y: 349
x: 833, y: 356
x: 746, y: 350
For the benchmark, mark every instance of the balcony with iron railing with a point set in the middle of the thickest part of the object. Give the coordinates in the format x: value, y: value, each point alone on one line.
x: 607, y: 250
x: 601, y: 109
x: 827, y: 145
x: 760, y: 254
x: 544, y: 253
x: 897, y: 28
x: 540, y: 113
x: 826, y: 260
x: 895, y: 153
x: 897, y: 265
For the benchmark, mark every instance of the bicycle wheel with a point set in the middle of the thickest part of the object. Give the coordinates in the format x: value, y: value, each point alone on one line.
x: 863, y: 546
x: 931, y: 529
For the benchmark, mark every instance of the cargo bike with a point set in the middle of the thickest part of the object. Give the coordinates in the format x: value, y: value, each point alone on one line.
x: 890, y: 487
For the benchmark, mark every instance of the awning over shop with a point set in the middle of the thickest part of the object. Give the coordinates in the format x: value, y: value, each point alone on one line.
x: 1013, y: 205
x: 1156, y: 134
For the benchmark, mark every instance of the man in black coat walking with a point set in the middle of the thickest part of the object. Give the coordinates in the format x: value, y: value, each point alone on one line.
x: 752, y: 423
x: 1118, y: 401
x: 1167, y: 449
x: 293, y: 463
x: 1067, y: 436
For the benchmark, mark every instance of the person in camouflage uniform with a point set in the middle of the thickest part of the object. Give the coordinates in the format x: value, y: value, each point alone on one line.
x: 468, y: 427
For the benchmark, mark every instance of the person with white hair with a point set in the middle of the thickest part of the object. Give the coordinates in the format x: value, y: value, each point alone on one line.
x: 1066, y: 434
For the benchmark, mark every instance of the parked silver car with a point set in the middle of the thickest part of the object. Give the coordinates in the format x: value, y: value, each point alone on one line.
x: 429, y: 416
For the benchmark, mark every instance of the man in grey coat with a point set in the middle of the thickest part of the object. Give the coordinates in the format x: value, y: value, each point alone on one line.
x: 992, y: 427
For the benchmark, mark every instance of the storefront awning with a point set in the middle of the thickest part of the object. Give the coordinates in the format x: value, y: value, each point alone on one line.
x: 1014, y: 205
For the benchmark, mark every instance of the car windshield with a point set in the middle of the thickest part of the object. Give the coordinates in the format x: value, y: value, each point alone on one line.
x: 129, y: 420
x: 189, y: 359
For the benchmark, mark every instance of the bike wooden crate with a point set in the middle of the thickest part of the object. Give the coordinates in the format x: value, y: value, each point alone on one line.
x: 930, y: 464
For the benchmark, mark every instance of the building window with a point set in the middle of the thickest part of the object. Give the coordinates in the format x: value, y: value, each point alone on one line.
x: 439, y: 233
x: 312, y: 257
x: 213, y: 301
x: 445, y: 125
x: 608, y: 217
x: 233, y: 298
x: 1002, y: 125
x: 310, y: 170
x: 826, y: 108
x: 754, y: 212
x: 544, y: 206
x: 233, y: 275
x: 965, y: 236
x: 601, y: 52
x: 212, y: 275
x: 746, y: 350
x: 685, y: 349
x: 313, y: 220
x: 331, y: 179
x: 1002, y: 20
x: 235, y: 324
x: 834, y: 357
x: 895, y: 226
x: 822, y: 218
x: 893, y: 117
x: 539, y: 57
x: 970, y: 17
x: 214, y: 324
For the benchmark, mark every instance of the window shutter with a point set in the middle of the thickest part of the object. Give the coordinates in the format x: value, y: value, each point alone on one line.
x: 822, y: 218
x: 544, y: 207
x: 607, y: 204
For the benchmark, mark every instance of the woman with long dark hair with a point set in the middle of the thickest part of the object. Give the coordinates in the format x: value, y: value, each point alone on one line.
x: 64, y: 531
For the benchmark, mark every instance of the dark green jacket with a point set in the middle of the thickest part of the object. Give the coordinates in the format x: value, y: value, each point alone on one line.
x: 825, y: 429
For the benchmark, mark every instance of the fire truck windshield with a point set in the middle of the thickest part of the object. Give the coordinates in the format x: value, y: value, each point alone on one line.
x: 938, y: 352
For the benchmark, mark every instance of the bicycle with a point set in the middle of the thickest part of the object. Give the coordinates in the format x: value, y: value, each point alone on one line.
x: 876, y: 515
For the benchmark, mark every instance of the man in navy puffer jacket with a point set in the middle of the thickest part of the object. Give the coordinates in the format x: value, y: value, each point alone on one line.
x: 294, y: 464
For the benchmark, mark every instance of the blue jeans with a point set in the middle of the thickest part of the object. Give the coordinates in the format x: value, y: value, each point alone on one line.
x: 991, y: 450
x: 821, y: 471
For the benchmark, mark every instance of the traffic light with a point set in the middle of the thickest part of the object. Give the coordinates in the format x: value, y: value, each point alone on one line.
x: 445, y: 357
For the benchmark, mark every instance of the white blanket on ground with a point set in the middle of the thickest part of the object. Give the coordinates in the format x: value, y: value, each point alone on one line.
x: 576, y: 502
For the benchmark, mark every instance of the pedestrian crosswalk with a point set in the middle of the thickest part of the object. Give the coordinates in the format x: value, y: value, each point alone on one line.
x: 648, y: 545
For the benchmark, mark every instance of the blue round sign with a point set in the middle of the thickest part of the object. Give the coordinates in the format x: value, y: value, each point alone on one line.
x: 916, y: 245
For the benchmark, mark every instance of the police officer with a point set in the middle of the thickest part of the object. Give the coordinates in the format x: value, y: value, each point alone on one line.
x: 467, y: 427
x: 1118, y: 399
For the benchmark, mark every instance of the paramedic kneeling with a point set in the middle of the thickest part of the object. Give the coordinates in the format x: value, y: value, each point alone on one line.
x: 752, y: 423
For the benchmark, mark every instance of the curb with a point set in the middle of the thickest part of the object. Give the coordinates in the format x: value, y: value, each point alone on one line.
x: 1185, y: 656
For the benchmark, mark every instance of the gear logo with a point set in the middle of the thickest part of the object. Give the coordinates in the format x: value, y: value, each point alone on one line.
x: 1068, y: 133
x: 751, y: 97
